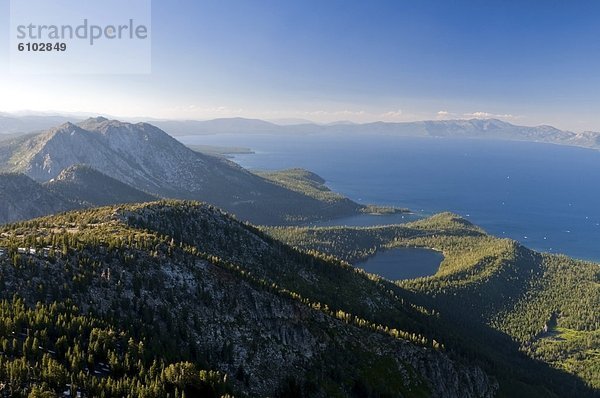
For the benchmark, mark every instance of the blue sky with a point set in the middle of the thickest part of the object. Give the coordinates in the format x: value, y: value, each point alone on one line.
x: 528, y: 62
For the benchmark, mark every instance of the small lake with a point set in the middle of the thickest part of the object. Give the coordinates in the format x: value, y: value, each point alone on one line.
x: 403, y: 263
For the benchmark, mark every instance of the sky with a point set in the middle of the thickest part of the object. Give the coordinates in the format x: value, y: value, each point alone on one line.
x: 528, y: 62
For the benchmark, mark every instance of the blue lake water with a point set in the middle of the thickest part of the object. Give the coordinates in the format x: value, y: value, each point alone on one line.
x: 546, y: 196
x: 366, y: 220
x: 403, y: 263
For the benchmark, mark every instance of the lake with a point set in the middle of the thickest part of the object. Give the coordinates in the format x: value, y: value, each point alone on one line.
x: 403, y: 263
x: 543, y: 195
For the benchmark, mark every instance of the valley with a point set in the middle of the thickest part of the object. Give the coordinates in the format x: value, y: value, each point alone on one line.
x: 486, y: 281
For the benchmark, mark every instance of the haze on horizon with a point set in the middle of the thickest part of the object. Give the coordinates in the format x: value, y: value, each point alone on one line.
x: 529, y: 64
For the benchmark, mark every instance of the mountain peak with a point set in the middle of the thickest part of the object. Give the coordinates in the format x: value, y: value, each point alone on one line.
x: 98, y: 119
x: 65, y: 126
x: 73, y: 171
x: 63, y: 129
x: 92, y: 123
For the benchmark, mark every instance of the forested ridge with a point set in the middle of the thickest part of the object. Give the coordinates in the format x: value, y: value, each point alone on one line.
x: 188, y: 300
x: 215, y: 306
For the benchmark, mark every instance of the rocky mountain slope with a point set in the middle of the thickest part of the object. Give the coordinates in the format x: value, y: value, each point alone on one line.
x: 192, y: 285
x: 149, y: 160
x: 76, y: 187
x: 22, y: 198
x: 89, y: 187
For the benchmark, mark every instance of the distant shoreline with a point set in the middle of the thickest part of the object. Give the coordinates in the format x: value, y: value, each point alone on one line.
x: 225, y: 151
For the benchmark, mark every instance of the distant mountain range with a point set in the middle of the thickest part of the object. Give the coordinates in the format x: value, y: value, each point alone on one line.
x: 144, y: 163
x: 473, y: 128
x: 12, y: 124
